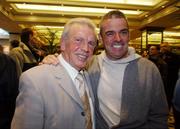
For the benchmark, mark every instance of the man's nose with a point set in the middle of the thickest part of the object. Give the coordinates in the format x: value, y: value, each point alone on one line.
x: 85, y: 46
x: 117, y: 37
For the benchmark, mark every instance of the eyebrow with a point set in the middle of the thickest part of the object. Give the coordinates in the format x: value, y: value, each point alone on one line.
x: 120, y: 30
x: 125, y: 29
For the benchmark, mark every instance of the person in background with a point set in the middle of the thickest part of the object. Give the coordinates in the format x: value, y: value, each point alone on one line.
x: 23, y: 55
x: 154, y: 56
x: 176, y: 103
x: 128, y: 89
x: 8, y: 90
x: 14, y: 43
x: 49, y: 97
x: 173, y: 63
x: 145, y: 54
x: 38, y: 46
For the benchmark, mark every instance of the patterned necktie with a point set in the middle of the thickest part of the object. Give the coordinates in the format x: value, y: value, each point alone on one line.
x: 85, y: 100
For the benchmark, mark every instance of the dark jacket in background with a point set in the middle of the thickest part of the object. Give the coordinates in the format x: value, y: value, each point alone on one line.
x: 162, y: 66
x: 173, y: 64
x: 8, y: 90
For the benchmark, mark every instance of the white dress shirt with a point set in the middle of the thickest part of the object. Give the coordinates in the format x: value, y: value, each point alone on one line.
x: 73, y: 73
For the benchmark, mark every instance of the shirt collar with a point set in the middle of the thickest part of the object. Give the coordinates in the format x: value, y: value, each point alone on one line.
x: 71, y: 70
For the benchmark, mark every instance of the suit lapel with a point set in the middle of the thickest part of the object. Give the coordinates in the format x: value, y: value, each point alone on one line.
x: 66, y: 83
x: 89, y: 86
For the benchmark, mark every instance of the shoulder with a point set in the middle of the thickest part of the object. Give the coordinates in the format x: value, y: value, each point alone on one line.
x: 8, y: 73
x: 4, y: 58
x: 93, y: 60
x: 93, y: 63
x: 42, y: 71
x: 37, y: 76
x: 41, y: 76
x: 144, y: 62
x: 143, y: 65
x: 38, y: 70
x: 16, y: 50
x: 6, y: 61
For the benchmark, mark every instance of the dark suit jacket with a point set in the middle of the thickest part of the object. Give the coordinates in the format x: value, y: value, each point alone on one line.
x: 8, y: 91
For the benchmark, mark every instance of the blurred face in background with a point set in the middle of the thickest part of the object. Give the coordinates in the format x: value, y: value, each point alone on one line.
x: 153, y: 50
x: 79, y: 46
x: 115, y: 37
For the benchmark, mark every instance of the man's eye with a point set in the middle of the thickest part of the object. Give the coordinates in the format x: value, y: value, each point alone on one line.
x: 78, y: 40
x: 92, y: 43
x: 109, y: 33
x: 125, y: 32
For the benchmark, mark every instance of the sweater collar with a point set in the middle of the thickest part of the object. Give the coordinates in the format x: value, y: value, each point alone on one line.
x: 131, y: 56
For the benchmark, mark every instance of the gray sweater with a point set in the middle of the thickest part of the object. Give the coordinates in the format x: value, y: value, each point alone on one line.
x: 144, y: 103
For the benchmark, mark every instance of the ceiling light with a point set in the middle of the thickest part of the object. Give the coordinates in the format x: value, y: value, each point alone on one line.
x: 71, y: 9
x: 133, y: 2
x: 171, y: 33
x: 3, y: 32
x: 176, y: 27
x: 41, y: 26
x: 53, y: 27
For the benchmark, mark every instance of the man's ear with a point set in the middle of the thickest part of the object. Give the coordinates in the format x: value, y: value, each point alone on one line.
x: 100, y: 37
x: 62, y: 45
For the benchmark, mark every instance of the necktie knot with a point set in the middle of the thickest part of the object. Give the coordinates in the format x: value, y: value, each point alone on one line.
x: 79, y: 77
x: 81, y: 84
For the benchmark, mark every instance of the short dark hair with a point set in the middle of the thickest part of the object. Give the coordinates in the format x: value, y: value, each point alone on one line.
x: 14, y: 43
x: 25, y: 35
x: 112, y: 14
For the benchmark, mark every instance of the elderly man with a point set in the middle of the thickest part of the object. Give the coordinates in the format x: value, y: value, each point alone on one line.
x: 49, y: 96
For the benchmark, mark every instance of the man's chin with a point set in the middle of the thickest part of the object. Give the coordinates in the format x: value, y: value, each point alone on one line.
x: 81, y: 65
